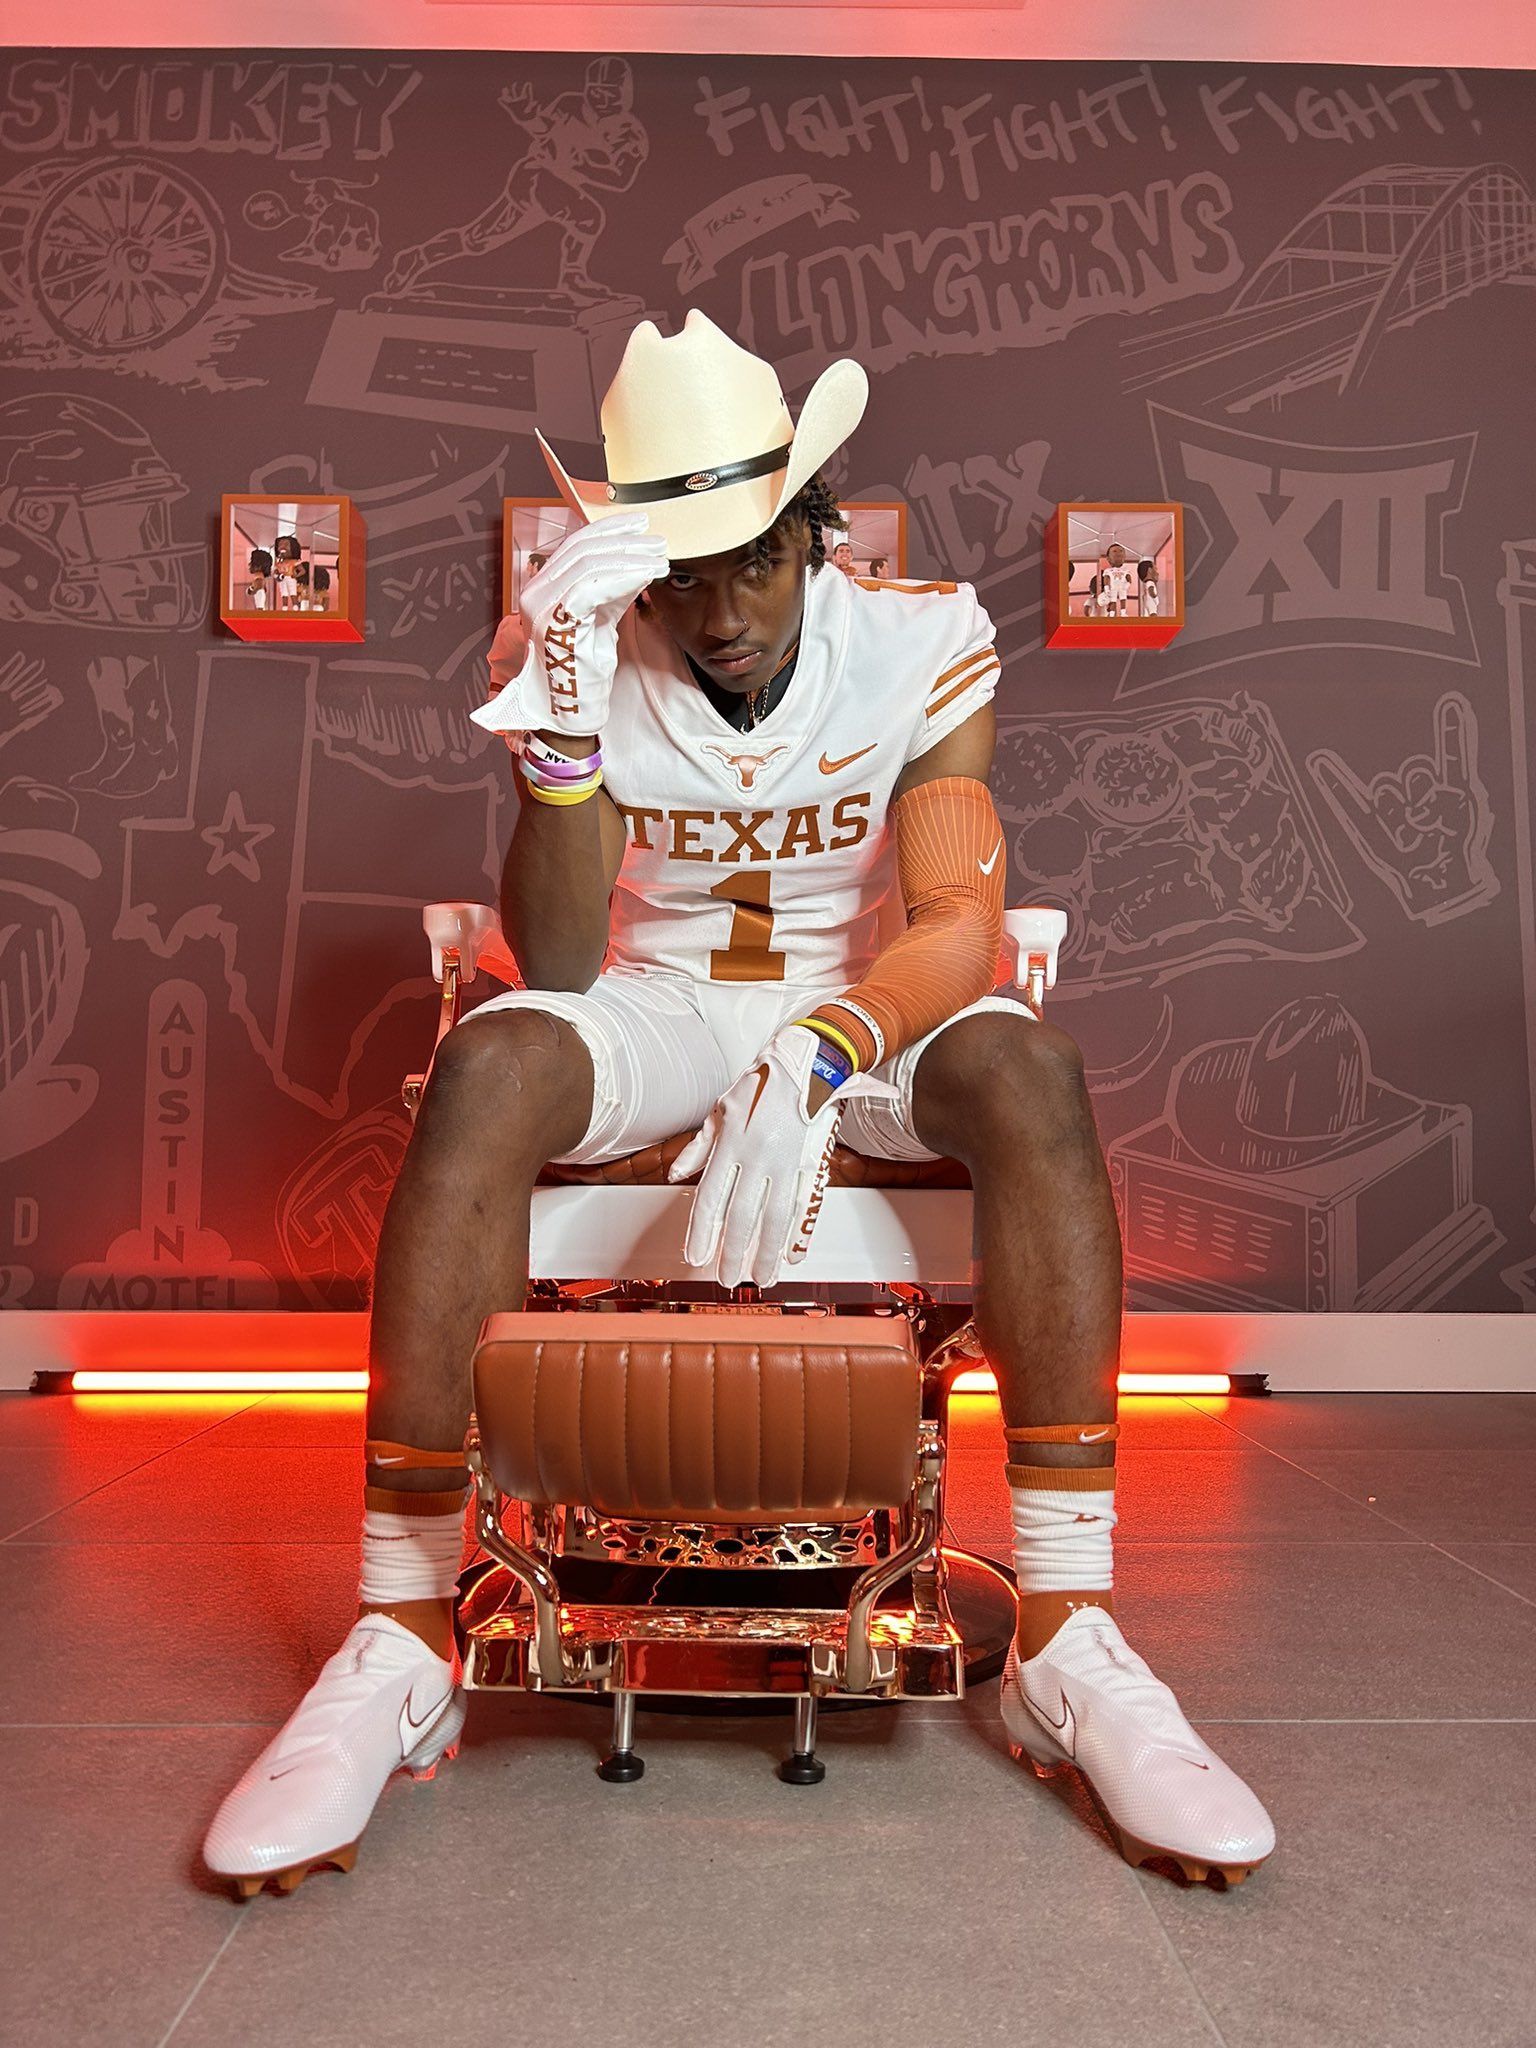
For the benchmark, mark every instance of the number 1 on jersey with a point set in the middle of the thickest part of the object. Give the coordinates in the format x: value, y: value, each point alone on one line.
x: 748, y: 954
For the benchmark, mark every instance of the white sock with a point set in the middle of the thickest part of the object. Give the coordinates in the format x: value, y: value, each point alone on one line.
x: 1063, y: 1537
x: 409, y: 1556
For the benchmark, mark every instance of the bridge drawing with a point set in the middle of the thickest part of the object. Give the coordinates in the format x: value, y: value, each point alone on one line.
x: 1391, y: 247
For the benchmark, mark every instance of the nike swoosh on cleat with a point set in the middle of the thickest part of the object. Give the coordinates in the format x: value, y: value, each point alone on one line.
x: 831, y: 767
x: 1064, y: 1730
x: 987, y: 866
x: 426, y: 1720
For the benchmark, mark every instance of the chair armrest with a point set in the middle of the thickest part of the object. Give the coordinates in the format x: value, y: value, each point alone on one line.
x: 1032, y: 939
x: 473, y: 931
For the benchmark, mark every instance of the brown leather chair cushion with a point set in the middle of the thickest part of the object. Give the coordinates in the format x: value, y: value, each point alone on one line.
x: 849, y: 1170
x: 717, y: 1417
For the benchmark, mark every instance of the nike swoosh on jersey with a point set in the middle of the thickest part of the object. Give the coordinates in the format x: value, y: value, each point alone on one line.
x: 831, y: 767
x: 987, y: 866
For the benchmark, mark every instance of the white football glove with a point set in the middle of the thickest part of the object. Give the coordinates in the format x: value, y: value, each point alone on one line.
x: 572, y: 610
x: 769, y: 1157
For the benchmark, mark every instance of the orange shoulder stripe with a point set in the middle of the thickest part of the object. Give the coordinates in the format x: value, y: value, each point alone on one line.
x: 987, y: 667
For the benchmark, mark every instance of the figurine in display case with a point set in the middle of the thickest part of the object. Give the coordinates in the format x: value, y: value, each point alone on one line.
x: 1114, y: 575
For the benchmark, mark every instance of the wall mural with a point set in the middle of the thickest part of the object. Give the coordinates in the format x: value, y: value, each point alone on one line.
x: 1296, y: 844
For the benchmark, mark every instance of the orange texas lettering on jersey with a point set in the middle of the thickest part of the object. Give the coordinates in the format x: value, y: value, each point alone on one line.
x: 750, y: 835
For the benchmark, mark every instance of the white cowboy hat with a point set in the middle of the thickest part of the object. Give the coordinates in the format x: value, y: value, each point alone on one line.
x: 696, y: 434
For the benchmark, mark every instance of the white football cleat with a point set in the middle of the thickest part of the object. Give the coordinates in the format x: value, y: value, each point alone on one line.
x: 385, y: 1702
x: 1088, y: 1699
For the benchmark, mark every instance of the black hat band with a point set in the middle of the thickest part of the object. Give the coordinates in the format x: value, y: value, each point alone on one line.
x: 700, y: 479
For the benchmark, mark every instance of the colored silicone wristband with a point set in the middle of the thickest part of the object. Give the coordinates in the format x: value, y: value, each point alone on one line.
x: 551, y: 757
x: 833, y: 1061
x: 559, y: 778
x: 844, y: 1045
x: 561, y: 796
x: 537, y: 779
x: 832, y: 1072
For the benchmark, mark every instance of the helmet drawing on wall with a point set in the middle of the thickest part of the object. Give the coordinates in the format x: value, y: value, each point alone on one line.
x: 43, y: 956
x: 610, y: 85
x: 85, y: 521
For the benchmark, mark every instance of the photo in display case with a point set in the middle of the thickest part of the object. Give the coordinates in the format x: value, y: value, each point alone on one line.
x: 291, y: 568
x: 873, y: 545
x: 1114, y: 575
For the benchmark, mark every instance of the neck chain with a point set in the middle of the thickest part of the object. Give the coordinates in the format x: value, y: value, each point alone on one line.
x: 757, y: 700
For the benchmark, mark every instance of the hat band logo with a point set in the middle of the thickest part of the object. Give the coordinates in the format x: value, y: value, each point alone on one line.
x: 701, y: 480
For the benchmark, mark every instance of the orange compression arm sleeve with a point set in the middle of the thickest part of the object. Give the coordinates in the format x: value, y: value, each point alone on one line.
x: 952, y: 869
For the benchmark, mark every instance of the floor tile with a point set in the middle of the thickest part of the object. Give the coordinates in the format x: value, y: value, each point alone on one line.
x: 153, y: 1420
x: 104, y: 1928
x: 1179, y: 1496
x: 710, y: 1906
x: 37, y: 1481
x: 1512, y: 1564
x: 128, y: 1632
x: 295, y: 1422
x: 1428, y: 1422
x: 1470, y: 1496
x: 1326, y: 1631
x: 1397, y: 1909
x: 1159, y: 1422
x: 198, y: 1494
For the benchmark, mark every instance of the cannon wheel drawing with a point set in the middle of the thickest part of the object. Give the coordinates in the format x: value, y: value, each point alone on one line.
x: 123, y: 254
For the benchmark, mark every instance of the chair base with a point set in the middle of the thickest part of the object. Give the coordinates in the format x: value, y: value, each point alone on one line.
x: 697, y: 1655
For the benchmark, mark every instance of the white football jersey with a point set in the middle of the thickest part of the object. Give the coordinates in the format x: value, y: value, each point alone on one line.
x: 763, y: 856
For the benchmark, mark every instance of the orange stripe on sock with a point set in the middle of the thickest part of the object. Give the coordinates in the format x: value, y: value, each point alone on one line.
x: 390, y: 1500
x: 1063, y: 1478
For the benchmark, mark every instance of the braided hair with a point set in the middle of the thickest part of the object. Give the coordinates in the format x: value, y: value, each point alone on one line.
x: 815, y: 504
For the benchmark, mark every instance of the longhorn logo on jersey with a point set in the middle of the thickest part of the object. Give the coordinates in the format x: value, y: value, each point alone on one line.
x: 745, y: 767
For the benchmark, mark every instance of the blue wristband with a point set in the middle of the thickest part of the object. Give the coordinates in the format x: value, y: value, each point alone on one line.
x: 832, y: 1064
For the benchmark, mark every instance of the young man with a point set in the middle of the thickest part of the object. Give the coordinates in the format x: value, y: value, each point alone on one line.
x: 731, y: 756
x: 1115, y: 583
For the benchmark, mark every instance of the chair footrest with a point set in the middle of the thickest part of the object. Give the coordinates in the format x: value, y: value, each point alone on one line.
x: 724, y: 1652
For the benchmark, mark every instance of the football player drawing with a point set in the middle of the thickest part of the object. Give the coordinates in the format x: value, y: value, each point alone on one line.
x: 732, y: 759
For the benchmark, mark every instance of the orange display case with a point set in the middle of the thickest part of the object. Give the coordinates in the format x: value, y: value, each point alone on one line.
x: 1143, y: 533
x: 331, y: 540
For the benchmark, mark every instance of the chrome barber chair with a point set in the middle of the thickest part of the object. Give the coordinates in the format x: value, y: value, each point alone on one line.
x: 730, y: 1501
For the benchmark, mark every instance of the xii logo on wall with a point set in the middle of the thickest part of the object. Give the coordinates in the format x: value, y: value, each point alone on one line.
x: 1296, y: 545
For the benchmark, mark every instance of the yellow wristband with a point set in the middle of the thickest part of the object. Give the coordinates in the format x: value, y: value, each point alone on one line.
x: 831, y: 1031
x: 564, y: 796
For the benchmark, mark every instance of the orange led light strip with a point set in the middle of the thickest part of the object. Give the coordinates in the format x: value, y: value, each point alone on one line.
x: 298, y: 1382
x: 980, y: 1382
x: 172, y: 1382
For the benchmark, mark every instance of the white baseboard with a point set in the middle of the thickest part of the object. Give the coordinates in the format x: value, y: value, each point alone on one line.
x: 1301, y: 1354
